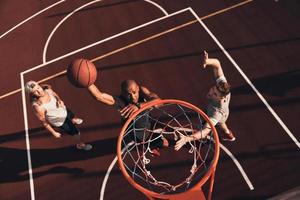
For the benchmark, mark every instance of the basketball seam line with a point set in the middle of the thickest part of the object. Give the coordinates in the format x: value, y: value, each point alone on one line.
x: 88, y: 68
x: 78, y: 71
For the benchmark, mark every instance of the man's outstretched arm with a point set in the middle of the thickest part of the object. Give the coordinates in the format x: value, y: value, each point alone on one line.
x: 101, y: 96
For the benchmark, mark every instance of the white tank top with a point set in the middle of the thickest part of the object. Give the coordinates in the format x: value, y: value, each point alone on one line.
x: 220, y: 106
x: 56, y: 116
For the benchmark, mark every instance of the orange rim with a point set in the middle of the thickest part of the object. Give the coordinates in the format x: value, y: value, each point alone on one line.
x: 205, y: 177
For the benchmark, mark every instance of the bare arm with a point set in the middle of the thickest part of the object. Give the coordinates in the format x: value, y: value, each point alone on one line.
x: 213, y: 63
x: 195, y: 136
x: 101, y: 96
x: 40, y: 113
x: 148, y: 95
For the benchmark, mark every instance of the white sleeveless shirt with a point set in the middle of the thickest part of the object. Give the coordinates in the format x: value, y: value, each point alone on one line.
x: 223, y: 105
x: 56, y: 116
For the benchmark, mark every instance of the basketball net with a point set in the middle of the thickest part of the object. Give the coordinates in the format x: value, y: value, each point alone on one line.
x: 157, y: 177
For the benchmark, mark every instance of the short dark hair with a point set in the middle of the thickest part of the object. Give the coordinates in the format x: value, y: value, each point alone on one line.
x: 125, y: 84
x: 223, y: 88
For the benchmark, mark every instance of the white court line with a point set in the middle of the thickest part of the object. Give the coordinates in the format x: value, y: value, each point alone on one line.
x: 29, y: 18
x: 42, y: 65
x: 78, y: 9
x: 247, y: 80
x: 240, y: 168
x: 27, y: 140
x: 102, y: 41
x: 59, y: 58
x: 158, y: 6
x: 236, y: 162
x: 111, y: 166
x: 31, y: 183
x: 238, y: 165
x: 58, y: 25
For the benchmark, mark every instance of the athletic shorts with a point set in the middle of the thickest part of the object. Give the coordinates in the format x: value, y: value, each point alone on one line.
x: 217, y: 116
x: 139, y: 132
x: 68, y: 127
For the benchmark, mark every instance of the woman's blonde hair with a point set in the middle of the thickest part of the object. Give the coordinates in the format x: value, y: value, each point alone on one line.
x: 33, y: 98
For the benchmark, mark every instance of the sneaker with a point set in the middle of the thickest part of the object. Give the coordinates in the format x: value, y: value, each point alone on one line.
x: 77, y: 121
x: 165, y: 142
x: 228, y: 136
x: 85, y: 147
x: 155, y: 152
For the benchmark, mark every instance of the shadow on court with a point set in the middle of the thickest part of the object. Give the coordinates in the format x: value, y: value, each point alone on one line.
x: 12, y: 160
x: 276, y: 85
x: 41, y: 132
x: 278, y: 151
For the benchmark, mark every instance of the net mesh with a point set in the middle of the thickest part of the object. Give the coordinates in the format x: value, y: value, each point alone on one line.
x: 173, y: 171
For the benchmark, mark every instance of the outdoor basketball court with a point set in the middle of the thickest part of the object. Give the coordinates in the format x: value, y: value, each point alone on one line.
x: 157, y: 43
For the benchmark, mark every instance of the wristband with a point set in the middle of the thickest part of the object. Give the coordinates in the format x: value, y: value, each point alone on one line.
x: 138, y: 105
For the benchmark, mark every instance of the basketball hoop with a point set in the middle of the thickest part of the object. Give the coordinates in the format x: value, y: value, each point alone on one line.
x: 173, y: 175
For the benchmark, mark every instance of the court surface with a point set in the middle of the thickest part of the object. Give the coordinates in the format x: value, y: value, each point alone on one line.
x: 158, y: 43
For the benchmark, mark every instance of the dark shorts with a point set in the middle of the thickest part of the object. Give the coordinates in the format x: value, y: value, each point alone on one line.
x: 68, y: 127
x: 140, y: 133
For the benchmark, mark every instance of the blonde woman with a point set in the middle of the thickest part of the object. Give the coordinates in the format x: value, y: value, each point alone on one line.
x: 52, y: 112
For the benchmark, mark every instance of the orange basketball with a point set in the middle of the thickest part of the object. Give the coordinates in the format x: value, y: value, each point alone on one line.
x: 82, y: 73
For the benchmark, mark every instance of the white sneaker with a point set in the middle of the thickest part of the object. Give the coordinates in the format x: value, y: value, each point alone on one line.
x: 77, y: 121
x: 228, y: 136
x: 85, y: 147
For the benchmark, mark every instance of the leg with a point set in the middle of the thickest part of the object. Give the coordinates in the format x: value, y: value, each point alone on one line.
x: 80, y: 144
x: 71, y: 116
x: 228, y: 135
x: 72, y: 130
x: 224, y: 127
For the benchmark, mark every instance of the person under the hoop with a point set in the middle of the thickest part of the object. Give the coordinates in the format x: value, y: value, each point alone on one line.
x: 218, y: 104
x: 133, y: 96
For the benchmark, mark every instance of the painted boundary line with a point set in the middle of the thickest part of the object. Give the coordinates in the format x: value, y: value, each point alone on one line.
x: 247, y: 80
x: 238, y: 165
x: 78, y: 9
x: 102, y: 41
x: 30, y: 171
x: 235, y: 161
x: 228, y: 56
x: 162, y: 33
x: 27, y: 71
x: 32, y: 194
x: 29, y: 18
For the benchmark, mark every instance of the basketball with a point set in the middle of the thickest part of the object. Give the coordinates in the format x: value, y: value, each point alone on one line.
x: 82, y: 73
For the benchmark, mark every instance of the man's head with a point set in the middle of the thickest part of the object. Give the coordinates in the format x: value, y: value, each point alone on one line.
x: 219, y: 91
x: 130, y: 91
x: 223, y: 88
x: 34, y: 89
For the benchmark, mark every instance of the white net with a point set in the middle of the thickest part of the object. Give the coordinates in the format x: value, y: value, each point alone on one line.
x: 173, y: 171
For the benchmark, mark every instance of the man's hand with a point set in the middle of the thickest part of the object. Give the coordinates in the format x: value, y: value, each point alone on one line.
x: 204, y: 57
x: 56, y: 134
x: 128, y: 110
x: 182, y: 141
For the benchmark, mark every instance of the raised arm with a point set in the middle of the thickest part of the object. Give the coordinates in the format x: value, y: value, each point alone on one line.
x: 214, y: 63
x: 101, y: 96
x: 40, y: 113
x: 147, y: 94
